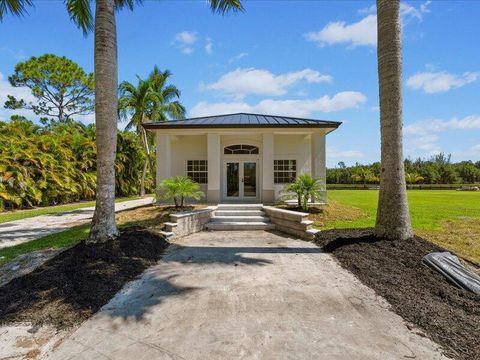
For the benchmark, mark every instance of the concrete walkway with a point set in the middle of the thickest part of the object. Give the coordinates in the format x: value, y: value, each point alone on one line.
x: 20, y: 231
x: 245, y: 295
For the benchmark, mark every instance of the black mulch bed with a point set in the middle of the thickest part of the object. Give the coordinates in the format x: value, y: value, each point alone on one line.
x: 72, y: 286
x: 448, y: 315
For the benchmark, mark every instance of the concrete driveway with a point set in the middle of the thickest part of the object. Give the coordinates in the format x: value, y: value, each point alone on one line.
x: 246, y: 295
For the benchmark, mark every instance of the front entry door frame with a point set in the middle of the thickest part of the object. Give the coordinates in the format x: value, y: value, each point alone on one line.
x: 241, y: 193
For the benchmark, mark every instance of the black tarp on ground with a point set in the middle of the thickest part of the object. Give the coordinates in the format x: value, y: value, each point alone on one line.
x: 449, y: 266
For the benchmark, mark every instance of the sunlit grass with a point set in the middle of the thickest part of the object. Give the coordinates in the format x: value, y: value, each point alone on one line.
x: 49, y: 210
x: 448, y: 218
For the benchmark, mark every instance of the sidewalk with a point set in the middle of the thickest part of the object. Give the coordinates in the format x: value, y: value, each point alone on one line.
x: 20, y: 231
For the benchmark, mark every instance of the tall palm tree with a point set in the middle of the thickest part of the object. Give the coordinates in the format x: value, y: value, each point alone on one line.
x: 150, y: 100
x: 167, y: 108
x: 106, y: 85
x: 393, y: 217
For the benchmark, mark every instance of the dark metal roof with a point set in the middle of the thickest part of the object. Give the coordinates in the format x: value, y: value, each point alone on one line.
x: 242, y: 120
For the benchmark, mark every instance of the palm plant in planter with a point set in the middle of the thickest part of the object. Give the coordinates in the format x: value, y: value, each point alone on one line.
x: 304, y: 187
x: 178, y: 189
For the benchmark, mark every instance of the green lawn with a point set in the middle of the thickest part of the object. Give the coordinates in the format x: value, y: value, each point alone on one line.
x: 428, y: 208
x: 48, y: 210
x: 447, y: 218
x: 53, y: 241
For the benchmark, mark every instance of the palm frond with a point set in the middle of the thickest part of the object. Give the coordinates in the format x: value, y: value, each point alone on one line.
x: 224, y: 6
x: 14, y: 7
x: 81, y: 14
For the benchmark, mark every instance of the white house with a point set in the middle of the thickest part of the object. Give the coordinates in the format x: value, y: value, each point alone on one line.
x: 241, y: 157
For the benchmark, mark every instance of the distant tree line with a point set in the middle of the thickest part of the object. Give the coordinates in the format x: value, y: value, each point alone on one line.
x: 438, y: 169
x: 55, y: 163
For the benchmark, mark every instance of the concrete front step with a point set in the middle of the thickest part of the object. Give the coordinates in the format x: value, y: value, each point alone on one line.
x: 239, y: 219
x: 222, y: 207
x: 239, y: 213
x: 239, y: 225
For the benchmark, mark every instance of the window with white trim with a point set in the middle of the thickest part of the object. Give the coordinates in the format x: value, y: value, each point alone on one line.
x: 240, y: 149
x: 284, y: 171
x: 197, y: 170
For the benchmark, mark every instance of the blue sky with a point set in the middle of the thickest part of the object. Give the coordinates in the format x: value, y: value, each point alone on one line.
x: 312, y: 59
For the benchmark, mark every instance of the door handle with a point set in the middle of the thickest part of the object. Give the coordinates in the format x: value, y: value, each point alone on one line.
x: 242, y: 180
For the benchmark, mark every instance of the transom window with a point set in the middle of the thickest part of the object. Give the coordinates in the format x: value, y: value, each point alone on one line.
x: 240, y: 149
x: 284, y: 171
x: 197, y: 170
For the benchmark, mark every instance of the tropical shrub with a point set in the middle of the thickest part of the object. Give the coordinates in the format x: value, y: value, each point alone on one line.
x: 55, y: 163
x: 178, y: 189
x: 304, y: 187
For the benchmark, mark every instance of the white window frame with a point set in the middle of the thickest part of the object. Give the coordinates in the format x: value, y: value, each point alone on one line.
x: 277, y: 170
x: 196, y: 169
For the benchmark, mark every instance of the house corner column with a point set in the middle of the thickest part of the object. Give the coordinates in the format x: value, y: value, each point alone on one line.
x: 319, y: 170
x: 164, y: 157
x: 213, y: 156
x: 268, y: 193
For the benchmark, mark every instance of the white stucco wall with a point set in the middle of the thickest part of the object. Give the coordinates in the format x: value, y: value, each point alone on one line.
x: 293, y: 147
x: 182, y: 147
x: 187, y: 147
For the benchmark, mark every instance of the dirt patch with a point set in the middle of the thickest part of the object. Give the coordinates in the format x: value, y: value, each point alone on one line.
x: 71, y: 287
x: 448, y: 315
x: 334, y: 211
x: 152, y: 216
x: 325, y: 215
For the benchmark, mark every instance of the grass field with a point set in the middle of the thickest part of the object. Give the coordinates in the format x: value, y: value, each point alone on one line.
x: 49, y: 210
x: 447, y: 217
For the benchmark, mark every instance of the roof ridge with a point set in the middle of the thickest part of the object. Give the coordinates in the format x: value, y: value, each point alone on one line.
x: 245, y: 113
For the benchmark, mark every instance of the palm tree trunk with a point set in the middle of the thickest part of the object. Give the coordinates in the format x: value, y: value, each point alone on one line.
x: 393, y: 218
x: 142, y: 180
x: 106, y: 84
x: 149, y: 155
x: 143, y: 138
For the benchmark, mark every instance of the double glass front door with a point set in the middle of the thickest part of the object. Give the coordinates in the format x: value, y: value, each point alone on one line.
x: 241, y: 179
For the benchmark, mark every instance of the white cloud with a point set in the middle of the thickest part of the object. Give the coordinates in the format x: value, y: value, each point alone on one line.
x: 334, y: 152
x: 209, y: 46
x: 242, y: 82
x: 301, y: 108
x: 237, y: 57
x: 475, y: 149
x: 424, y: 7
x: 185, y: 41
x: 364, y: 31
x: 471, y: 122
x: 19, y: 93
x: 440, y: 81
x: 186, y: 37
x: 470, y: 153
x: 187, y: 50
x: 372, y: 9
x: 421, y: 146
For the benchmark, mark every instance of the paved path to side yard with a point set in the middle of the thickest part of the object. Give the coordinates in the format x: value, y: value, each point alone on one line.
x: 20, y: 231
x: 245, y: 295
